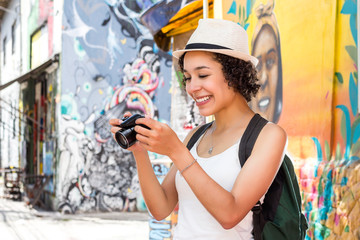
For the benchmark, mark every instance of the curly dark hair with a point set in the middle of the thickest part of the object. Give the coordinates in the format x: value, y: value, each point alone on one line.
x: 240, y: 75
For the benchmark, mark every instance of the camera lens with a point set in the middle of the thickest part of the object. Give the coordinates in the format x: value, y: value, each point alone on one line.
x: 125, y: 137
x: 121, y: 139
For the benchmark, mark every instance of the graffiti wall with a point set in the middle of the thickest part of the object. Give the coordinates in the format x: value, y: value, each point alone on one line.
x: 110, y: 65
x: 162, y: 230
x: 307, y: 69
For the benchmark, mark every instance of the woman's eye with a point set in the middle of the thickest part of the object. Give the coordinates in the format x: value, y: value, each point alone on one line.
x: 187, y: 79
x: 203, y: 76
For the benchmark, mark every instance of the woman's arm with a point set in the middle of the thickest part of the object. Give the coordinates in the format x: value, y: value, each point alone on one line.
x: 229, y: 208
x: 160, y: 199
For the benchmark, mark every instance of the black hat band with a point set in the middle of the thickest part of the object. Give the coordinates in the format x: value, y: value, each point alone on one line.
x: 204, y: 46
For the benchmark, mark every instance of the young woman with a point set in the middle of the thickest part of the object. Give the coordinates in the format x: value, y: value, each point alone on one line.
x: 214, y: 193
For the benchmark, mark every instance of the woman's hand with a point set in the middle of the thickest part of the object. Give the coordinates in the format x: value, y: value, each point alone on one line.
x: 160, y: 138
x: 115, y: 127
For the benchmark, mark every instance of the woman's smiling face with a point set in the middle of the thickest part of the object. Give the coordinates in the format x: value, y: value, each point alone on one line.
x: 205, y: 82
x: 265, y: 50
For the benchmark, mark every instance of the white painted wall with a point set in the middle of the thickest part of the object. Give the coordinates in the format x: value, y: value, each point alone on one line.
x: 9, y: 97
x: 12, y: 68
x: 57, y: 25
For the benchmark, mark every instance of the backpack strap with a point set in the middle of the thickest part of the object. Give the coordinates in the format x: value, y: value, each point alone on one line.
x: 247, y: 143
x: 197, y: 135
x: 249, y: 137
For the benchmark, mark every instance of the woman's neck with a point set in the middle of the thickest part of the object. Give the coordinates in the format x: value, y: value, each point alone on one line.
x: 236, y: 115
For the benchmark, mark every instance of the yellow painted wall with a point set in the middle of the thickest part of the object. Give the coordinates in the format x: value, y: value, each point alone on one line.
x: 319, y: 112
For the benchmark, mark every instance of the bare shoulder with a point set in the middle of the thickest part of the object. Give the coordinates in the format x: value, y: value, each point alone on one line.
x: 272, y: 138
x: 272, y: 130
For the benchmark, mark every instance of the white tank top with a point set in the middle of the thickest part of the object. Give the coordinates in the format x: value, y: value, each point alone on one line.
x: 194, y: 221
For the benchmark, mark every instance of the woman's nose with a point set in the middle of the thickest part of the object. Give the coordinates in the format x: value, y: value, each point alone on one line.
x: 192, y: 87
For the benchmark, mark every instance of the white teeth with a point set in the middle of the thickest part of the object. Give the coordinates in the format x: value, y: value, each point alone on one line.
x: 202, y: 99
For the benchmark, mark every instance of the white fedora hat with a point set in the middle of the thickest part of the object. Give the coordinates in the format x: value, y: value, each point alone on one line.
x: 219, y: 36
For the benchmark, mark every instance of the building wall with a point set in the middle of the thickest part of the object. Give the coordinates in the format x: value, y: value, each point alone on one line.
x: 317, y: 59
x: 38, y: 15
x: 38, y: 101
x: 109, y: 65
x: 11, y: 68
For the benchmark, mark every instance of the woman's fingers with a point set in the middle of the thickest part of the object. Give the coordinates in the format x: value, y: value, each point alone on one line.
x: 143, y: 139
x: 142, y: 130
x: 127, y: 114
x: 114, y: 129
x: 117, y: 122
x: 147, y: 121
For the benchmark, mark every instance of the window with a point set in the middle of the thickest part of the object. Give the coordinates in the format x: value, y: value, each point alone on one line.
x: 39, y: 47
x: 4, y: 51
x: 13, y: 38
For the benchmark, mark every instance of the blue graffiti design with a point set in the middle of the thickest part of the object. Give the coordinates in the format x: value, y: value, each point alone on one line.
x: 356, y: 133
x: 353, y: 28
x: 353, y: 90
x: 78, y: 48
x: 248, y: 8
x: 344, y: 181
x: 69, y: 107
x: 163, y: 225
x: 159, y: 235
x: 232, y: 9
x: 160, y: 169
x: 349, y: 8
x: 318, y: 148
x: 159, y: 229
x: 319, y: 155
x: 348, y: 130
x: 328, y: 193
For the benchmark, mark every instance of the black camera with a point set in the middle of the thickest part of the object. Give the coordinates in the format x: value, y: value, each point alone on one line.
x: 126, y: 136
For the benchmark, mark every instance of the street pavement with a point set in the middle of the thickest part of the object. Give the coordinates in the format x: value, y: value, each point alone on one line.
x: 19, y: 222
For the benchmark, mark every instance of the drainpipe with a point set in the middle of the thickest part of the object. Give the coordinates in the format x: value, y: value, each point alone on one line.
x: 20, y: 150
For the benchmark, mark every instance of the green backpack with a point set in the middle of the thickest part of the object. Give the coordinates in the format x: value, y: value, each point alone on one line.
x: 279, y: 216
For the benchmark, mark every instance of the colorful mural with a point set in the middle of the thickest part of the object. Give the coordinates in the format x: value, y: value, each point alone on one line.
x: 331, y: 197
x: 161, y: 230
x: 110, y: 65
x: 315, y: 98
